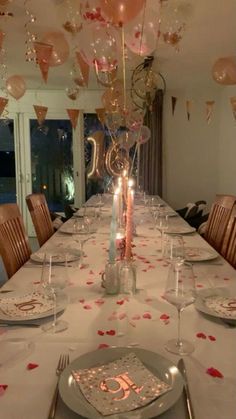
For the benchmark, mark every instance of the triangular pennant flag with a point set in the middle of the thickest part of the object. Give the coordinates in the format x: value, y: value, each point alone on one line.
x: 84, y: 67
x: 188, y: 108
x: 41, y: 112
x: 2, y: 35
x: 73, y: 115
x: 3, y: 103
x: 43, y: 54
x: 101, y: 112
x: 209, y: 110
x: 233, y: 104
x: 173, y: 104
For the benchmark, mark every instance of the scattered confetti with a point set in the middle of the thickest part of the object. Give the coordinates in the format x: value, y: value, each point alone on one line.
x: 32, y: 366
x: 201, y: 335
x: 214, y: 372
x: 100, y: 333
x: 87, y: 307
x: 147, y: 316
x: 103, y: 346
x: 111, y: 332
x: 212, y: 338
x: 164, y: 317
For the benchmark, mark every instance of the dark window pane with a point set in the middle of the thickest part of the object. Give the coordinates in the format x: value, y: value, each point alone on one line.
x: 7, y: 163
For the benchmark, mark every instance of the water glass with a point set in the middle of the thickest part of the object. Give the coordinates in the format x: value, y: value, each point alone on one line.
x: 110, y: 278
x: 173, y: 250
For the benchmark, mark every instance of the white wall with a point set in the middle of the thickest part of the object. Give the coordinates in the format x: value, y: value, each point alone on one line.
x: 192, y: 148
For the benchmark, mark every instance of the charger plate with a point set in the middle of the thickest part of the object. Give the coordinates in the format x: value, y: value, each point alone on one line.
x: 158, y: 365
x: 199, y: 254
x: 224, y: 293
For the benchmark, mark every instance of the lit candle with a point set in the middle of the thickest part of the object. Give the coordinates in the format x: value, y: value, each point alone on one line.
x: 129, y: 223
x: 112, y: 247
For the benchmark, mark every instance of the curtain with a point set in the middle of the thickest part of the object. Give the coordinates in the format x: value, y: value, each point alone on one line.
x: 151, y: 160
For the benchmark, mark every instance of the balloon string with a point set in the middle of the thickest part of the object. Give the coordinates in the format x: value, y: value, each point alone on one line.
x: 135, y: 151
x: 123, y: 62
x: 142, y: 30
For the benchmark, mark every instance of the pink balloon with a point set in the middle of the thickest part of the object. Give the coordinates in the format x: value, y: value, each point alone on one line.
x: 134, y: 120
x: 121, y: 11
x: 16, y: 86
x: 91, y: 12
x: 144, y: 135
x: 61, y: 50
x: 224, y: 71
x: 127, y: 140
x: 97, y: 44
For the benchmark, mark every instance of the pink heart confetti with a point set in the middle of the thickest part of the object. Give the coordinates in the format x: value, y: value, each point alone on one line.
x: 103, y: 346
x: 87, y: 307
x: 91, y: 273
x: 214, y: 372
x: 36, y: 282
x: 148, y: 300
x: 99, y: 302
x: 226, y: 279
x: 164, y: 317
x: 212, y: 338
x: 147, y: 316
x: 111, y: 332
x: 89, y: 282
x: 32, y: 366
x: 136, y: 317
x: 199, y: 286
x: 144, y: 270
x: 201, y: 335
x: 122, y: 316
x: 82, y: 300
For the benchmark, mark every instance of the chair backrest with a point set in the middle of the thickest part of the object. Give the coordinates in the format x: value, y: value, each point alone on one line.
x: 14, y: 243
x: 228, y: 250
x: 40, y: 215
x: 218, y: 220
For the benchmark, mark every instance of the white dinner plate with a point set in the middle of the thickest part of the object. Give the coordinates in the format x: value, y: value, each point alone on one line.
x: 159, y: 366
x: 9, y: 312
x: 59, y: 257
x: 181, y: 230
x: 201, y: 302
x: 198, y: 254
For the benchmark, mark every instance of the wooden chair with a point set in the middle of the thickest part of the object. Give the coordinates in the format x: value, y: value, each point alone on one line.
x: 218, y: 219
x: 229, y: 243
x: 14, y: 243
x: 41, y: 218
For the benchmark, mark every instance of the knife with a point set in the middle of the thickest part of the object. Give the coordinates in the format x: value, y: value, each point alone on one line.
x: 182, y: 369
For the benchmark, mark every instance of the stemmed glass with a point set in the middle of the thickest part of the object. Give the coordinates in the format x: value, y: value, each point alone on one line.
x: 53, y: 279
x: 180, y: 292
x: 81, y: 229
x: 162, y: 224
x: 174, y: 248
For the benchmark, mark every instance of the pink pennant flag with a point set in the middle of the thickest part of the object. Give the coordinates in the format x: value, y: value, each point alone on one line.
x: 73, y: 115
x: 43, y: 54
x: 84, y: 67
x: 41, y: 112
x: 101, y: 112
x: 209, y: 110
x: 3, y: 103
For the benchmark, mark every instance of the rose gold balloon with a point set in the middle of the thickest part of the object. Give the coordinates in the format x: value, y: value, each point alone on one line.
x: 121, y: 11
x: 96, y: 168
x: 224, y: 71
x: 127, y: 140
x: 144, y: 135
x: 61, y: 50
x: 116, y: 160
x: 16, y: 86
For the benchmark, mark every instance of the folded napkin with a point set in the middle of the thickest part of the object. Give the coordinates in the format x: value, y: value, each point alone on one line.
x: 119, y: 386
x: 222, y: 305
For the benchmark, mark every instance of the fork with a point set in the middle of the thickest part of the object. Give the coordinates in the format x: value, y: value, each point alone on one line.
x: 62, y: 364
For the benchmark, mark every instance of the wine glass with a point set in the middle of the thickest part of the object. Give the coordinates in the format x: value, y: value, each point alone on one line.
x: 161, y: 224
x: 53, y: 279
x: 174, y: 248
x: 81, y: 229
x: 180, y: 291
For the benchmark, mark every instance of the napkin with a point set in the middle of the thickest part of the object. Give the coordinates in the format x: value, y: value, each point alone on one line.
x: 222, y: 305
x: 119, y: 386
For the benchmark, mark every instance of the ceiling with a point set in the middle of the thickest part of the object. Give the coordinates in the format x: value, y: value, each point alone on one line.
x: 210, y: 33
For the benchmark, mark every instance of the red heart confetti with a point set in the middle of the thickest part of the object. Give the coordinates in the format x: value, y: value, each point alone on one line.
x: 82, y: 300
x: 214, y: 372
x: 99, y: 302
x: 111, y: 332
x: 144, y: 270
x: 226, y: 279
x: 212, y: 338
x: 89, y: 282
x: 3, y: 388
x: 147, y: 316
x: 32, y: 366
x: 100, y: 333
x: 201, y: 335
x: 164, y: 317
x: 199, y: 286
x: 148, y: 300
x: 103, y: 346
x: 120, y: 302
x: 87, y: 307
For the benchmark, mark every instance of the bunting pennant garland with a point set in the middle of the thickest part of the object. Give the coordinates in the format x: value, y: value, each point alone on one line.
x: 173, y: 104
x: 73, y: 115
x: 209, y: 110
x: 188, y: 108
x: 43, y: 54
x: 3, y: 103
x: 101, y: 112
x: 84, y: 67
x: 233, y: 104
x: 41, y: 112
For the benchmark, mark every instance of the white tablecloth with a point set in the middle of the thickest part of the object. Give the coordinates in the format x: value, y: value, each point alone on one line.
x: 137, y: 322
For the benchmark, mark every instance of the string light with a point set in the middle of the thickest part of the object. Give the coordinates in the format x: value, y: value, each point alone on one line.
x: 30, y: 36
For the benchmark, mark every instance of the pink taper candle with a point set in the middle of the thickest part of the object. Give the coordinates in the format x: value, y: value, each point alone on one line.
x: 129, y: 224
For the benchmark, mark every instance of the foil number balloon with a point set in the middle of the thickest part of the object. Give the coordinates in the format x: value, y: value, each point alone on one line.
x: 96, y: 169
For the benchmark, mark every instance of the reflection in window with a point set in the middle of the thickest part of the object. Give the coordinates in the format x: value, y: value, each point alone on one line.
x: 52, y: 162
x: 7, y: 163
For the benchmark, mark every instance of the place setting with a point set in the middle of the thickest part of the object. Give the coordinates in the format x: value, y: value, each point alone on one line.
x: 217, y: 303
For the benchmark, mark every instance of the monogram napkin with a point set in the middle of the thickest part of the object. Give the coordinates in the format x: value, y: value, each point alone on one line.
x: 25, y: 305
x: 119, y: 386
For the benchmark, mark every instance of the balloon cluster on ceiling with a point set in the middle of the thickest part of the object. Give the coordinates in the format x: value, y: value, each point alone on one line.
x: 101, y: 35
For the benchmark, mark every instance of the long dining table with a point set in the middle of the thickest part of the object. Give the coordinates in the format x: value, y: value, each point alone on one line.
x: 97, y: 321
